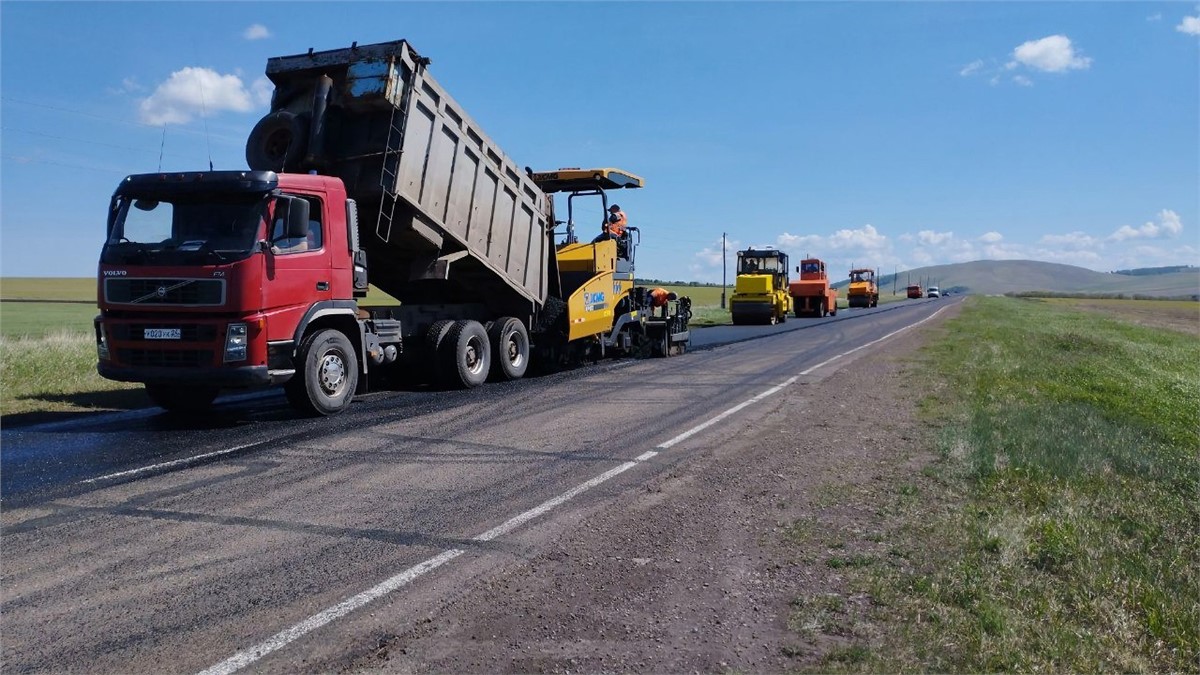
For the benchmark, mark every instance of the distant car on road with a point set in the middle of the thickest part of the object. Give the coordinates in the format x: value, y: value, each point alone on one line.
x: 933, y: 292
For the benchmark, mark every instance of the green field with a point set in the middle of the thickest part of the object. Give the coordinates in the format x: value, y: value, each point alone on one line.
x: 1059, y: 530
x: 48, y: 288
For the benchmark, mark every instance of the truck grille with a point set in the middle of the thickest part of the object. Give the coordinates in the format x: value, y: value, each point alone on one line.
x: 136, y: 332
x: 175, y: 358
x: 195, y: 292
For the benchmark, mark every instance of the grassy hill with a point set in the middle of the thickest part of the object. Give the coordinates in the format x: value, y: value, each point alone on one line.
x: 1014, y: 276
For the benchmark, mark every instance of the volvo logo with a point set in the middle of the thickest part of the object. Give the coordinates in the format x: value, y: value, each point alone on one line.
x: 161, y: 292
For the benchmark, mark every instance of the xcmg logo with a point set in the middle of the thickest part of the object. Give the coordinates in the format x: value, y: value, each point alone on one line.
x: 593, y: 301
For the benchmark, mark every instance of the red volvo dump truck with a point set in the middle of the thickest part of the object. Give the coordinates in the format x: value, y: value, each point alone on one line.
x: 364, y: 170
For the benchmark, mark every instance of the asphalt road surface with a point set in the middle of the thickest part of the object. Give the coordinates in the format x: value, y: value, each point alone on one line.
x: 259, y: 540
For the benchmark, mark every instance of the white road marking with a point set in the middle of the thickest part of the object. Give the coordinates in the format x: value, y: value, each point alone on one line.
x: 701, y: 427
x: 873, y: 342
x: 517, y: 521
x: 280, y: 640
x: 286, y: 637
x: 167, y: 465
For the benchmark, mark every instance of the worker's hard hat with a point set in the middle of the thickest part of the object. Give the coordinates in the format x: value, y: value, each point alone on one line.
x: 614, y: 207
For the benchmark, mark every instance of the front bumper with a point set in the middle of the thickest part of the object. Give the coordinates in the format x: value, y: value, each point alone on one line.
x: 238, y: 377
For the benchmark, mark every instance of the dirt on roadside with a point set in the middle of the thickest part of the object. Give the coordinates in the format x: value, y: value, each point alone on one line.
x: 730, y: 561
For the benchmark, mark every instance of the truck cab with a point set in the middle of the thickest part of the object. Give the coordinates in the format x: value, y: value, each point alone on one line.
x: 761, y: 291
x: 207, y: 278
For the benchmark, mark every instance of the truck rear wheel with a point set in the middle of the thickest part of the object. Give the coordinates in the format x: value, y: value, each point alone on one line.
x: 181, y: 400
x: 510, y: 348
x: 465, y: 355
x: 433, y: 343
x: 327, y: 374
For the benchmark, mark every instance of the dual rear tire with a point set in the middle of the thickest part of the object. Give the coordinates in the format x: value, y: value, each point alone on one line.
x: 510, y: 349
x: 464, y: 354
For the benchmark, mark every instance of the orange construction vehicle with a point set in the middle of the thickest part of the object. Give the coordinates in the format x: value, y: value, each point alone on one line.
x: 915, y: 292
x: 811, y: 293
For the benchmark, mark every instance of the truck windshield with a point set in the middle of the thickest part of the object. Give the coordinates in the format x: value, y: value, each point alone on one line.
x: 186, y: 230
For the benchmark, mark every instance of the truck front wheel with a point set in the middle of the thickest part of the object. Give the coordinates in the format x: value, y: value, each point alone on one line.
x: 328, y: 374
x: 181, y: 400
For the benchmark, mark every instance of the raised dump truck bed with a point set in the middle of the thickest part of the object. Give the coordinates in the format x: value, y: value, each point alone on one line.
x: 437, y: 198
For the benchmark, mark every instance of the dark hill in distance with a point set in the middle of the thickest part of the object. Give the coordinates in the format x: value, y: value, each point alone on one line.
x: 1015, y: 276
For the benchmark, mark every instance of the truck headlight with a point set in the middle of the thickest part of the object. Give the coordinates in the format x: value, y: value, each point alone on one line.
x: 101, y: 343
x: 235, y: 342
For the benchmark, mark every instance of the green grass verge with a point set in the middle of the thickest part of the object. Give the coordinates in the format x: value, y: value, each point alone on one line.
x: 1060, y: 530
x: 39, y: 319
x: 51, y: 375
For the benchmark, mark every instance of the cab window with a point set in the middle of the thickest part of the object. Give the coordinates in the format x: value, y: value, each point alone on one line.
x: 314, y: 240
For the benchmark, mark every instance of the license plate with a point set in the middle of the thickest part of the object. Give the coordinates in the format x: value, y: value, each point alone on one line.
x: 163, y: 334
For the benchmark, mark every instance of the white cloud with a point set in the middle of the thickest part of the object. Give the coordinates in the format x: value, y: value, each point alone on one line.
x: 1022, y: 80
x: 866, y: 239
x: 991, y: 237
x: 710, y: 256
x: 256, y: 32
x: 971, y: 68
x: 1072, y: 240
x: 931, y: 238
x: 794, y: 242
x: 1053, y: 54
x: 1157, y: 16
x: 1189, y: 25
x: 192, y: 92
x: 1168, y: 225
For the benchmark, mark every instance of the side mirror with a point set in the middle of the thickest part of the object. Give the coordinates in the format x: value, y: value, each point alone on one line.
x: 294, y: 213
x: 297, y: 218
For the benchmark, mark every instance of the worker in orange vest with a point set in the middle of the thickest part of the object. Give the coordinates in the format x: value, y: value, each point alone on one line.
x: 613, y: 227
x: 659, y: 298
x: 616, y: 221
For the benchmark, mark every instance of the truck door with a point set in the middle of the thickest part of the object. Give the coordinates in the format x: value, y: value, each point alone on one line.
x: 298, y: 271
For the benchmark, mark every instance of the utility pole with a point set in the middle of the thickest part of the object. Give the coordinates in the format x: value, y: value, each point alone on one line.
x: 895, y: 273
x: 723, y: 266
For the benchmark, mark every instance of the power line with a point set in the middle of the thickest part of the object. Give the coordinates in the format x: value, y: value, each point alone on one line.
x: 111, y: 119
x: 31, y: 160
x: 81, y: 140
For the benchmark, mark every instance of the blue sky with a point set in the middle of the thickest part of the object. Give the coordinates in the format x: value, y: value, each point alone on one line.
x: 893, y: 135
